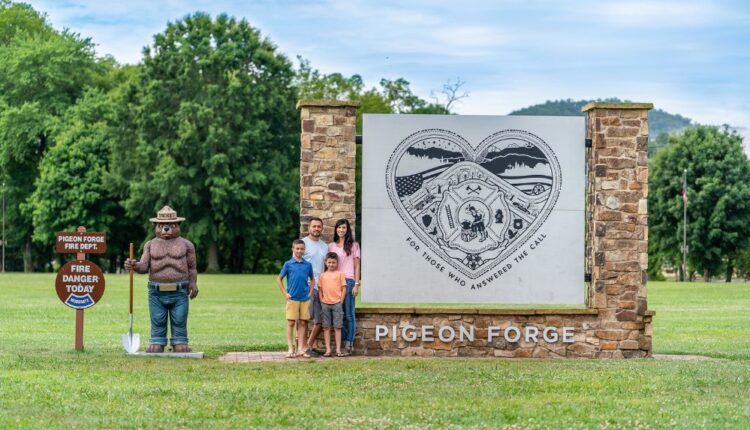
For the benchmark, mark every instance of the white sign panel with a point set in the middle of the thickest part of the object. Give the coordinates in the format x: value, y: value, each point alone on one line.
x: 473, y: 209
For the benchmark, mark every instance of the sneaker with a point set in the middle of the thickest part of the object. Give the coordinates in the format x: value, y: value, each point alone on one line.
x: 313, y: 352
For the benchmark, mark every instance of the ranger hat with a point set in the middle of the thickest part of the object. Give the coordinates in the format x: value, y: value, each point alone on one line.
x: 166, y: 215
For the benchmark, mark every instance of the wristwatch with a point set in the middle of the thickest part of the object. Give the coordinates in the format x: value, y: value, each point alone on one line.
x: 356, y: 283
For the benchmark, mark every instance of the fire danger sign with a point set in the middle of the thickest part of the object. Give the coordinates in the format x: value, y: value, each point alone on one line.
x: 80, y: 284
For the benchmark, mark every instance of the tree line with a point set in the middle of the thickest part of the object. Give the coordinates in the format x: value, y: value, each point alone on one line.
x: 206, y: 123
x: 715, y: 163
x: 717, y: 172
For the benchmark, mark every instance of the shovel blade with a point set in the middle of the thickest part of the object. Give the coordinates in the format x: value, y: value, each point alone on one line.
x: 131, y: 344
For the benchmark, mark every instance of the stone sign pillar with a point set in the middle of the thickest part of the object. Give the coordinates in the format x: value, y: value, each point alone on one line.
x: 616, y: 322
x: 617, y: 226
x: 327, y: 162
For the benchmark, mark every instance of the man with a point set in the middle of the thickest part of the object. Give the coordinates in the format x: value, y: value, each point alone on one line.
x: 315, y: 253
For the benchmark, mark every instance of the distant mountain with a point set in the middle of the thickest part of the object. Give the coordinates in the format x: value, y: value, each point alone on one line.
x: 658, y: 120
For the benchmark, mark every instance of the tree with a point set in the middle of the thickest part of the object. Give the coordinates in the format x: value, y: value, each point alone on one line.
x: 656, y: 145
x: 401, y: 99
x: 451, y: 93
x: 21, y: 18
x: 217, y: 139
x: 71, y: 189
x: 656, y: 262
x: 42, y: 73
x: 742, y: 262
x: 718, y: 199
x: 393, y: 96
x: 311, y: 84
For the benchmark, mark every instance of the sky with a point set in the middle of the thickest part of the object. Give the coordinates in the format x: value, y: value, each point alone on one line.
x: 686, y: 57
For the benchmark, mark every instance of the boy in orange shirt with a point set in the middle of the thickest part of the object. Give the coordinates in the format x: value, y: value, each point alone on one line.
x: 332, y: 288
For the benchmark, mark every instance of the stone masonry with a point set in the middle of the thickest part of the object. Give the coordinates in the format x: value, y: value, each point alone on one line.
x: 617, y: 225
x: 327, y: 162
x: 616, y: 322
x: 584, y: 322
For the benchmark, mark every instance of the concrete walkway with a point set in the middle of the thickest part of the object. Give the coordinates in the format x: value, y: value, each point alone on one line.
x: 682, y: 357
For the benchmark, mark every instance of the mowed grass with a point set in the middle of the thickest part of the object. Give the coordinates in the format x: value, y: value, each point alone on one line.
x: 44, y: 383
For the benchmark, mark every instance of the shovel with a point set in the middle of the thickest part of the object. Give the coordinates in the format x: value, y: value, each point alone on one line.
x: 131, y: 341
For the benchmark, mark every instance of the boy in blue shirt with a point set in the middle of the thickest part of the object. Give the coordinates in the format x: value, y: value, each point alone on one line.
x: 299, y: 287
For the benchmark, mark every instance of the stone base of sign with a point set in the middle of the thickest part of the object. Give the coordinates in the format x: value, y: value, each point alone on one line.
x: 590, y: 335
x: 169, y: 354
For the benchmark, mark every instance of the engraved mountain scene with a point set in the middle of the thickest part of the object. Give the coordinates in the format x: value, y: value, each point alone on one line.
x: 473, y: 206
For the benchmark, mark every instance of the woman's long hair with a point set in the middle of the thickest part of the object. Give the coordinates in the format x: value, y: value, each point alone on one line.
x: 348, y: 238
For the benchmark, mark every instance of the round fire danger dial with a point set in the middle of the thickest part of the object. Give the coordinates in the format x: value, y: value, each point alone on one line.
x: 80, y: 284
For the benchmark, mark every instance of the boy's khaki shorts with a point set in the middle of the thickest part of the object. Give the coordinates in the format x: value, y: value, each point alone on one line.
x: 297, y: 310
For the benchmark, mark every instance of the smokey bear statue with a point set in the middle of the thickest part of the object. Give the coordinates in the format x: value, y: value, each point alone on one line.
x: 172, y: 278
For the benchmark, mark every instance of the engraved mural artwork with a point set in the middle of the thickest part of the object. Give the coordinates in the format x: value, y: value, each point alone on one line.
x: 473, y: 209
x: 473, y: 206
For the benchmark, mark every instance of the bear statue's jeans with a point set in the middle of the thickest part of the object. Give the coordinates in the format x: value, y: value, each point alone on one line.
x: 172, y: 304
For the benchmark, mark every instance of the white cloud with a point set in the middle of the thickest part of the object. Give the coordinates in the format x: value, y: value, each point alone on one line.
x: 512, y: 95
x: 648, y: 13
x: 468, y: 38
x: 511, y: 54
x: 522, y: 94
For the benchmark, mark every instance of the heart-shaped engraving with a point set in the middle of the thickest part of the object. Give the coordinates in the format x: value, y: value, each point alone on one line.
x: 473, y: 207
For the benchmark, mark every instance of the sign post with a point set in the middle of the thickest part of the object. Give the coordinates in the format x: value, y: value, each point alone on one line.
x: 80, y: 283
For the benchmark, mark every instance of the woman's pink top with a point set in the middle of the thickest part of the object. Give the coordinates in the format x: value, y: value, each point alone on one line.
x: 346, y: 262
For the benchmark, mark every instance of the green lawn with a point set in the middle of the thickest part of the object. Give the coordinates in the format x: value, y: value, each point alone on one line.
x: 44, y: 383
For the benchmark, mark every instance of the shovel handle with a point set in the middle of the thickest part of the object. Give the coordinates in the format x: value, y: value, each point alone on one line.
x: 131, y: 280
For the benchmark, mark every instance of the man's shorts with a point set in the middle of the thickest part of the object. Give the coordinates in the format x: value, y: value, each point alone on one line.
x: 315, y: 308
x: 297, y: 310
x: 333, y: 315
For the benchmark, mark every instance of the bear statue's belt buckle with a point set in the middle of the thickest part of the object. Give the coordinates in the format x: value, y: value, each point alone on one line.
x: 167, y: 287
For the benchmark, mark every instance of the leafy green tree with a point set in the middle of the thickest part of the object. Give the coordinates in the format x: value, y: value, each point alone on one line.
x: 401, y: 99
x: 393, y: 96
x: 660, y: 142
x: 656, y: 262
x: 742, y: 262
x: 718, y: 199
x: 218, y: 139
x: 311, y: 84
x: 21, y: 18
x: 42, y: 73
x: 70, y: 190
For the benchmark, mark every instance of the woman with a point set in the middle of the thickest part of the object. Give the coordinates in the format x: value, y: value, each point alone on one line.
x: 348, y: 252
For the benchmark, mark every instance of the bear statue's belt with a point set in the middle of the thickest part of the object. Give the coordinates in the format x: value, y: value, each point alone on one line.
x: 167, y: 286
